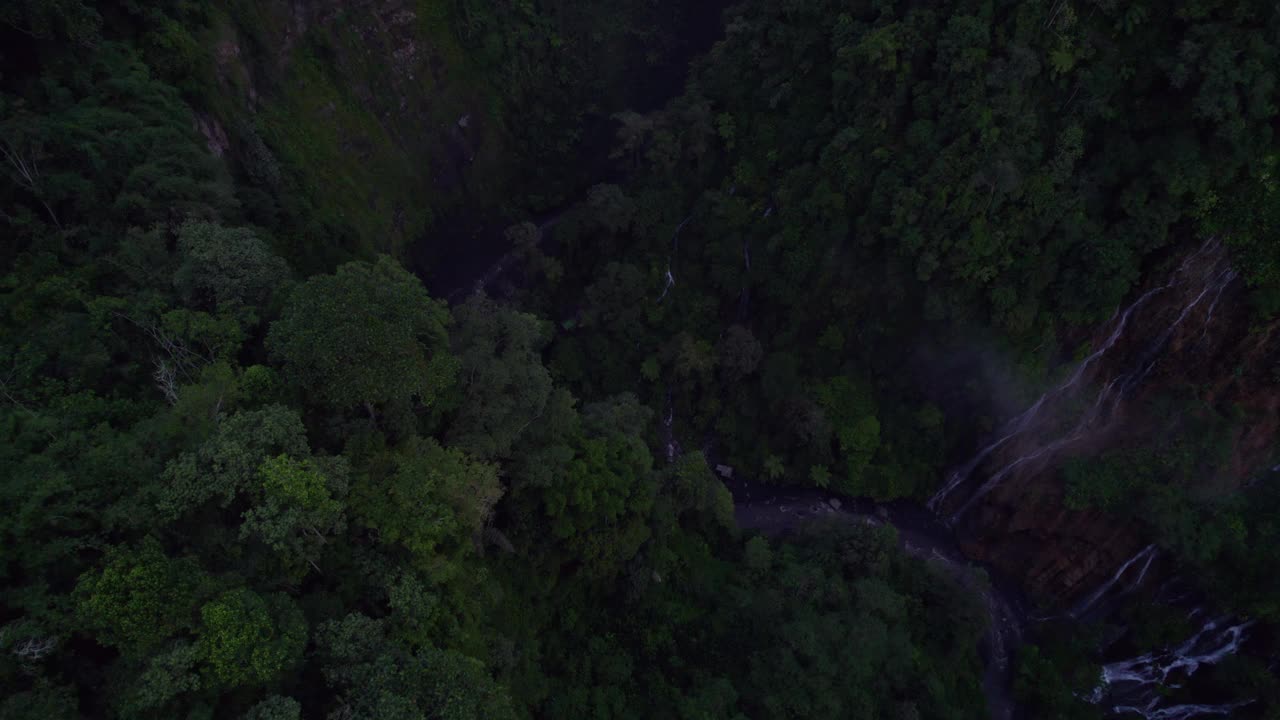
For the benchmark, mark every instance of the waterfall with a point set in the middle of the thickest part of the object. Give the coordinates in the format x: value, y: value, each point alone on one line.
x: 1142, y: 574
x: 1017, y: 425
x: 996, y: 479
x: 1113, y: 337
x: 671, y: 282
x: 1231, y: 275
x: 1178, y: 712
x: 1189, y: 656
x: 1148, y: 677
x: 675, y: 246
x: 958, y: 477
x: 1152, y: 355
x: 668, y: 427
x: 1213, y: 281
x: 1148, y: 553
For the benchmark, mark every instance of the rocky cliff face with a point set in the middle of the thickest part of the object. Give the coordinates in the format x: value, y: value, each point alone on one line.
x: 1186, y: 334
x: 389, y: 118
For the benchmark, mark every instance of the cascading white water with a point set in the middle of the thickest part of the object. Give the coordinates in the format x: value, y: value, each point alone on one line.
x: 1153, y: 354
x: 1209, y: 646
x: 1148, y: 553
x: 1142, y: 574
x: 1144, y: 681
x: 1113, y: 337
x: 1141, y: 685
x: 1215, y: 281
x: 675, y: 246
x: 671, y: 282
x: 1178, y: 712
x: 958, y: 477
x: 1019, y: 424
x: 1208, y: 321
x: 1004, y: 472
x: 668, y: 426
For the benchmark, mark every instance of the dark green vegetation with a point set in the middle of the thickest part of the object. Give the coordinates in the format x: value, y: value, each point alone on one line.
x: 251, y: 469
x: 902, y: 180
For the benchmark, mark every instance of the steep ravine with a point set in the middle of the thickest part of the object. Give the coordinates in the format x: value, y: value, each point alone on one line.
x: 1004, y: 509
x: 1000, y: 525
x: 1188, y: 331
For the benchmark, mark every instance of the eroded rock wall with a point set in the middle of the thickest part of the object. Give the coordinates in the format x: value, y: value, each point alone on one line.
x: 1188, y: 333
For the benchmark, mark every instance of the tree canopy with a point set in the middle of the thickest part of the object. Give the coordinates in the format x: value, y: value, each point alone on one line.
x: 255, y: 465
x: 368, y: 334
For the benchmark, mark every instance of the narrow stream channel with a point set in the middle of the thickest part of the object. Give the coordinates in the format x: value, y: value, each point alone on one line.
x: 775, y: 510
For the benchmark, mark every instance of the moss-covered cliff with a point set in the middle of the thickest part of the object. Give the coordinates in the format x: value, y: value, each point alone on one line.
x: 371, y: 122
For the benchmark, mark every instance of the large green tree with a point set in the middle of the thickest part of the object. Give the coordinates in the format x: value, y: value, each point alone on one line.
x: 368, y: 334
x: 247, y: 638
x: 505, y: 387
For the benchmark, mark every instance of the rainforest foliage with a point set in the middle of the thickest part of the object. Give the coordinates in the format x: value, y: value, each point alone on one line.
x: 251, y: 468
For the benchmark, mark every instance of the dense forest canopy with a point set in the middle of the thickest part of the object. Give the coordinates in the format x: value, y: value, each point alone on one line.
x: 253, y: 469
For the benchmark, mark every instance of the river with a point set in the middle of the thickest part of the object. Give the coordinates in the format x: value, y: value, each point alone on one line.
x: 775, y: 510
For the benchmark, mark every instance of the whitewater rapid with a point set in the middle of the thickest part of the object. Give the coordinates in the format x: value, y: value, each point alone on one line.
x: 1141, y: 685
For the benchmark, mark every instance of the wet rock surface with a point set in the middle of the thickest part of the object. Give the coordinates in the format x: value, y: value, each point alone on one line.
x: 1189, y: 329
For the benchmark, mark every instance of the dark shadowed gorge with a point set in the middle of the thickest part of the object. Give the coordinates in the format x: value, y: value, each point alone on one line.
x: 484, y: 359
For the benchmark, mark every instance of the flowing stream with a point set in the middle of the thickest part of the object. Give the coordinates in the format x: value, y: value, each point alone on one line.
x: 775, y: 510
x: 1139, y: 685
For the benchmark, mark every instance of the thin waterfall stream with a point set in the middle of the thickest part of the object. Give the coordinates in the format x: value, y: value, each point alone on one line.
x: 1148, y: 554
x: 1212, y: 280
x: 675, y: 247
